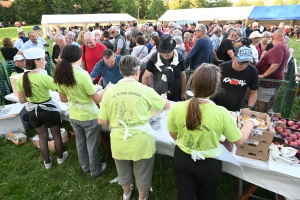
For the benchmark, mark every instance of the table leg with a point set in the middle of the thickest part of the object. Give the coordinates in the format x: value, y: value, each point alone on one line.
x: 249, y: 191
x: 280, y: 197
x: 239, y: 190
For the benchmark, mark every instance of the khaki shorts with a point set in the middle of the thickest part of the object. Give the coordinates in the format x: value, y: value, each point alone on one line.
x: 265, y: 94
x: 140, y: 170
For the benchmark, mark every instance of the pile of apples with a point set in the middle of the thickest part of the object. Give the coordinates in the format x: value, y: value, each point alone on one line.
x: 291, y: 137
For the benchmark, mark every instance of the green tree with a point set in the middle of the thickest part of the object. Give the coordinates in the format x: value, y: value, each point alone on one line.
x: 101, y: 6
x: 199, y: 3
x: 143, y: 6
x: 258, y: 3
x: 278, y: 3
x: 126, y: 6
x: 242, y: 3
x: 220, y: 3
x: 82, y: 7
x: 62, y: 7
x: 293, y: 2
x: 156, y: 9
x: 179, y: 4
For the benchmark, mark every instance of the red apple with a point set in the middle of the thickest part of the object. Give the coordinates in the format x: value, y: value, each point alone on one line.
x: 297, y: 133
x: 293, y: 144
x: 276, y: 119
x: 283, y: 120
x: 294, y: 137
x: 283, y: 134
x: 288, y: 131
x: 295, y: 127
x: 289, y: 139
x: 290, y: 123
x: 285, y: 141
x: 298, y: 142
x: 298, y: 123
x: 279, y: 129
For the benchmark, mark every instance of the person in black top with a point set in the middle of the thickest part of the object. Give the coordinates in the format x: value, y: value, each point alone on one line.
x: 237, y: 75
x: 8, y: 50
x: 226, y: 49
x: 167, y: 67
x: 105, y: 36
x: 19, y: 67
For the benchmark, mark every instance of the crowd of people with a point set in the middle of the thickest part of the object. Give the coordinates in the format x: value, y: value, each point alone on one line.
x: 143, y: 68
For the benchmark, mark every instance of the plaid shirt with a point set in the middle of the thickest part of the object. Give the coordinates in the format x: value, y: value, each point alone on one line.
x: 215, y: 41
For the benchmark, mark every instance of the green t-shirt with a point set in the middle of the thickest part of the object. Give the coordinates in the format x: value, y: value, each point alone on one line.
x: 130, y: 102
x: 215, y: 120
x: 40, y: 85
x: 79, y: 95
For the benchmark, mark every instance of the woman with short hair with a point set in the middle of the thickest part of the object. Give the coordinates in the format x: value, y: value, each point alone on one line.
x: 130, y: 41
x: 188, y: 44
x: 140, y: 51
x: 261, y: 47
x: 125, y: 107
x: 105, y: 40
x: 8, y: 50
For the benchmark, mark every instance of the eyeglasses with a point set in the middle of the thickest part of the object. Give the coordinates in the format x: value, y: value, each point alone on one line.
x: 113, y: 32
x: 171, y: 26
x: 244, y: 63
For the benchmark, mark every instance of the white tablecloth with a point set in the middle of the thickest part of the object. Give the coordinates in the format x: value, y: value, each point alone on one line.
x: 254, y: 171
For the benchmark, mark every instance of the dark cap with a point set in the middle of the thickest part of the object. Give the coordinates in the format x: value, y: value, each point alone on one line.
x: 36, y: 28
x: 193, y: 24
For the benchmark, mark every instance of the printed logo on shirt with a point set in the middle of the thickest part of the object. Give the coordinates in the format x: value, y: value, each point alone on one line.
x: 233, y: 81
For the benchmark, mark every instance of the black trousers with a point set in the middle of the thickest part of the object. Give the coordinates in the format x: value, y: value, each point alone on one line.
x: 198, y: 178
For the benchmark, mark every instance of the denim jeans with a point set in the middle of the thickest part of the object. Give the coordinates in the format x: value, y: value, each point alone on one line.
x: 87, y: 134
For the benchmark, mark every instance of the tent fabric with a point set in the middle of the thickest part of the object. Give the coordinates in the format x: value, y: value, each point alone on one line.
x: 85, y: 18
x: 291, y: 12
x: 207, y: 14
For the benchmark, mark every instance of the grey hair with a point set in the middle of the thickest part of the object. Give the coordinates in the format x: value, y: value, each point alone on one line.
x: 232, y: 30
x: 178, y: 39
x: 266, y: 33
x: 31, y: 32
x: 202, y: 28
x: 129, y: 65
x: 239, y: 31
x: 89, y: 35
x: 173, y: 23
x: 116, y: 28
x: 177, y: 32
x: 217, y: 29
x: 59, y: 36
x: 70, y: 35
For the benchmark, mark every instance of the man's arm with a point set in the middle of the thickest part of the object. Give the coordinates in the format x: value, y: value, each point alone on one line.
x: 271, y: 69
x: 96, y: 70
x: 183, y: 85
x: 145, y: 77
x: 252, y: 98
x: 83, y: 65
x: 215, y: 55
x: 119, y: 46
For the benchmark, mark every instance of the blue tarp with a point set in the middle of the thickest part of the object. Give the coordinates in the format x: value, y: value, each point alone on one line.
x: 275, y: 13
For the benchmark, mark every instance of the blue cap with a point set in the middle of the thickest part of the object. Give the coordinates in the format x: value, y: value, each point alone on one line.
x: 36, y: 28
x: 244, y: 54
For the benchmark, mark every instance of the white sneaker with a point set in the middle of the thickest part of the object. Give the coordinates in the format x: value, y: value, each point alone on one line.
x: 103, y: 166
x: 65, y: 156
x: 48, y: 166
x: 127, y: 197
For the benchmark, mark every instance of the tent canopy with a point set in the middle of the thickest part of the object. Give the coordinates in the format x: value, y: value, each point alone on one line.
x: 291, y: 12
x: 207, y: 14
x: 85, y: 18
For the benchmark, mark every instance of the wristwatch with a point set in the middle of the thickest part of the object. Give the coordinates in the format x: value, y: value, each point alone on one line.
x: 251, y: 107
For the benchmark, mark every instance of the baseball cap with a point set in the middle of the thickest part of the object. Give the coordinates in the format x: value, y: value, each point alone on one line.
x: 20, y: 30
x: 255, y: 34
x: 34, y: 53
x: 18, y: 57
x: 244, y: 54
x: 36, y: 28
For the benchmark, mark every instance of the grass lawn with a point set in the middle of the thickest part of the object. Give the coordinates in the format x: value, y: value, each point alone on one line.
x: 23, y: 175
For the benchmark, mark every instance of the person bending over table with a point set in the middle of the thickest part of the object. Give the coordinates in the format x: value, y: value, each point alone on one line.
x: 196, y: 125
x: 75, y: 87
x: 33, y: 88
x: 125, y: 107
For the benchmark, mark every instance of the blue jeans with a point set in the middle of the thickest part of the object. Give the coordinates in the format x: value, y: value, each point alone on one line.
x: 87, y: 134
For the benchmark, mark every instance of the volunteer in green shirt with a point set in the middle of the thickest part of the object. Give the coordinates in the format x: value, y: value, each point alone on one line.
x: 33, y: 88
x: 196, y: 125
x: 19, y: 65
x: 125, y: 107
x: 75, y: 87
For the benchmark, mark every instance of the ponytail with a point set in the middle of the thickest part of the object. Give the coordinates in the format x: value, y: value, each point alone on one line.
x: 27, y: 85
x: 193, y: 117
x: 63, y: 73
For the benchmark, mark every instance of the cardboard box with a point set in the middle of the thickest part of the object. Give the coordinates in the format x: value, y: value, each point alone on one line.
x: 51, y: 144
x: 12, y: 118
x: 259, y: 135
x: 19, y: 138
x: 13, y: 80
x: 256, y: 146
x: 252, y: 154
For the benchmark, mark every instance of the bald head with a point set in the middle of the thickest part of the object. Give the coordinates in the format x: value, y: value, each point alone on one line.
x: 89, y: 35
x: 59, y: 39
x: 278, y: 35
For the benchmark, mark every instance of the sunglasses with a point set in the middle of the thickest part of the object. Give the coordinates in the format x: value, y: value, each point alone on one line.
x: 171, y: 26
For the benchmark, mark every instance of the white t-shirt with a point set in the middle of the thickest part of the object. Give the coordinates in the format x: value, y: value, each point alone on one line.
x: 254, y: 53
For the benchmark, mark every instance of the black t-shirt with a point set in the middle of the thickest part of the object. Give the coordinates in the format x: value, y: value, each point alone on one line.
x: 107, y: 44
x: 234, y: 85
x: 224, y: 47
x: 158, y: 84
x: 269, y: 46
x: 9, y: 53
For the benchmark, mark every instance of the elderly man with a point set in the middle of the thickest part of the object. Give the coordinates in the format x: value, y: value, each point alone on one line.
x: 224, y: 30
x: 69, y: 38
x: 253, y: 28
x: 19, y: 65
x: 239, y: 24
x: 202, y: 50
x: 60, y: 42
x: 272, y: 66
x: 21, y: 39
x: 237, y: 76
x: 108, y: 68
x: 32, y: 43
x: 37, y: 30
x: 167, y: 67
x: 171, y: 28
x: 255, y: 38
x: 92, y: 53
x: 217, y: 32
x: 119, y: 46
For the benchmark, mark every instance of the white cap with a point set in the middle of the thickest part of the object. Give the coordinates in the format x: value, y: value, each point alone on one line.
x: 255, y: 34
x: 20, y: 30
x: 18, y: 57
x: 34, y: 53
